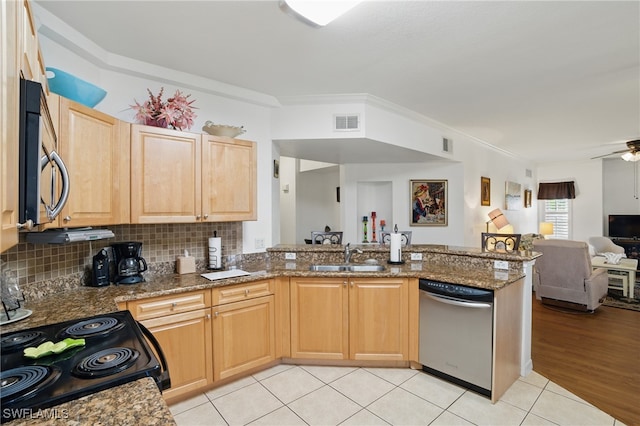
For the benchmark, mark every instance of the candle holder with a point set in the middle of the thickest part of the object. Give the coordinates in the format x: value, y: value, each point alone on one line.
x: 365, y: 219
x: 373, y: 227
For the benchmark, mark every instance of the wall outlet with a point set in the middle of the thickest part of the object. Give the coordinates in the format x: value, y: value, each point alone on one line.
x: 259, y: 243
x: 416, y: 256
x: 290, y: 256
x: 500, y: 264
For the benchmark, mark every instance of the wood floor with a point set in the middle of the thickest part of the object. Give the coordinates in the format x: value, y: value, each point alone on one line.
x: 594, y: 356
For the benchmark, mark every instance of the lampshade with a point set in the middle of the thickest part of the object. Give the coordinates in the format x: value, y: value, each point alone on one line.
x: 631, y: 156
x: 546, y: 228
x: 498, y: 219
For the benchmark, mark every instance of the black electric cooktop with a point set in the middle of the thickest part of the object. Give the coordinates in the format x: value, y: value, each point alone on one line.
x: 115, y: 352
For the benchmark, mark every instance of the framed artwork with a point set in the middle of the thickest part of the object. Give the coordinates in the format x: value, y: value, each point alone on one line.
x: 485, y: 191
x: 527, y: 198
x: 276, y: 169
x: 429, y: 203
x: 512, y: 196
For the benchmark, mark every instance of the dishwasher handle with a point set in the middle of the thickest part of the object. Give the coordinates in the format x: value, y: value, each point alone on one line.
x: 458, y: 302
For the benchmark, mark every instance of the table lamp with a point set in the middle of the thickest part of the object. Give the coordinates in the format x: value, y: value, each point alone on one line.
x: 497, y: 218
x: 546, y: 228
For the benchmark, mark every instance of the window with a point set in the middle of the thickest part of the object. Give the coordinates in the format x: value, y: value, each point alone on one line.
x: 558, y: 212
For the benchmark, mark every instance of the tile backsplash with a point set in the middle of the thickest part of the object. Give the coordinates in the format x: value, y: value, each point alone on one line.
x: 42, y: 269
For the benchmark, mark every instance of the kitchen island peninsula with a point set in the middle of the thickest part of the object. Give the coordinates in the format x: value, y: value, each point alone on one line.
x: 267, y: 292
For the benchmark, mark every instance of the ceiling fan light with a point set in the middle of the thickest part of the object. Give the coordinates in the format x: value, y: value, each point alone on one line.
x: 318, y: 12
x: 631, y: 156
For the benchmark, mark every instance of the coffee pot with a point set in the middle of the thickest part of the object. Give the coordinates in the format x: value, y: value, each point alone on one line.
x: 129, y: 263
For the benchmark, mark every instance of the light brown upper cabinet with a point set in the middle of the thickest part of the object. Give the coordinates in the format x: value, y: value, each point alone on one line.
x: 228, y: 179
x: 181, y: 177
x: 96, y: 150
x: 10, y: 54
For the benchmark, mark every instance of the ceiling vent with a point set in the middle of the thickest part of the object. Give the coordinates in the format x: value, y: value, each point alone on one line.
x: 447, y: 145
x: 346, y: 123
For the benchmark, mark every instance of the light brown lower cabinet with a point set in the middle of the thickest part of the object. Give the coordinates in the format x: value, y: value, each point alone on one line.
x: 244, y: 336
x: 182, y: 325
x: 350, y: 318
x: 186, y: 342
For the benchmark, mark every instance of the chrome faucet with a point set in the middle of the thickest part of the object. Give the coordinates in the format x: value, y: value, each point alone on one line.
x: 348, y: 252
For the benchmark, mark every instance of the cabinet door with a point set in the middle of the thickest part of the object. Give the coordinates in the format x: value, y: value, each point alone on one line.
x: 29, y: 37
x: 379, y: 319
x: 185, y: 340
x: 319, y: 318
x: 9, y: 118
x: 243, y: 336
x: 228, y: 179
x: 165, y: 175
x: 96, y: 153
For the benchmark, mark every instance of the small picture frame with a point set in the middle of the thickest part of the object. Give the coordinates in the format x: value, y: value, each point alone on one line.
x: 429, y: 203
x: 527, y: 198
x: 485, y: 191
x: 276, y: 169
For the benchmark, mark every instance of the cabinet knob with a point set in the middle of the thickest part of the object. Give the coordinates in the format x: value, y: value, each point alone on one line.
x: 246, y: 292
x: 344, y: 283
x: 28, y: 225
x: 198, y: 217
x: 206, y: 215
x: 215, y: 314
x: 174, y: 304
x: 67, y: 219
x: 208, y: 316
x: 351, y: 283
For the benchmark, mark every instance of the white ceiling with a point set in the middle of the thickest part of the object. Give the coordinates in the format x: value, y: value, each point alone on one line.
x: 540, y: 79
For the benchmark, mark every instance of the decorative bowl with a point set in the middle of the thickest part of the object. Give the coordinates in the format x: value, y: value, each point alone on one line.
x: 222, y: 129
x: 71, y: 87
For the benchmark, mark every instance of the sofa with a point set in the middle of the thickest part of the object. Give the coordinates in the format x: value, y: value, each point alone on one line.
x: 563, y: 275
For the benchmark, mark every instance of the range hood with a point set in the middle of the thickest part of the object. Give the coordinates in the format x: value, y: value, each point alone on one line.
x: 65, y: 236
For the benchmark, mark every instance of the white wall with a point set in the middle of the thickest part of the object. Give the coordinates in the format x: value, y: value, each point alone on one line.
x: 587, y: 207
x: 287, y: 200
x: 316, y: 205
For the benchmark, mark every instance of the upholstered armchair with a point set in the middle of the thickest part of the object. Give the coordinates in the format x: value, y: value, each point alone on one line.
x: 563, y: 275
x: 605, y: 245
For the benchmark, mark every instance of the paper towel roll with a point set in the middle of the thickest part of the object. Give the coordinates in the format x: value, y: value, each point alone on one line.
x: 396, y: 250
x: 215, y: 253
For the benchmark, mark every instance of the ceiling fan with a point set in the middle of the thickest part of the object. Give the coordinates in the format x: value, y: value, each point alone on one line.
x: 632, y: 153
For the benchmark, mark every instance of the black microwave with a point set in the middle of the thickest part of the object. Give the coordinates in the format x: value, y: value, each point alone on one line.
x: 43, y: 177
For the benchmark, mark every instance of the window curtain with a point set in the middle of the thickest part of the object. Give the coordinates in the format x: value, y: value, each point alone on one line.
x: 556, y: 191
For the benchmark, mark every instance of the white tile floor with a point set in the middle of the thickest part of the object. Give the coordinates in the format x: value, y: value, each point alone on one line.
x: 311, y: 395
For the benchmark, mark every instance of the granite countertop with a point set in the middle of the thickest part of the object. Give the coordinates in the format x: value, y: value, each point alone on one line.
x: 129, y: 403
x: 133, y: 403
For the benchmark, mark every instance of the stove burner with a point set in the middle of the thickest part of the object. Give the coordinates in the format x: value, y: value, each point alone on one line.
x: 22, y: 381
x: 93, y: 327
x: 106, y: 362
x: 21, y: 340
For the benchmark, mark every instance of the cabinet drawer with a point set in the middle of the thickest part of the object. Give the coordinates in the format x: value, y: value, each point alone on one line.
x: 239, y: 292
x: 167, y: 305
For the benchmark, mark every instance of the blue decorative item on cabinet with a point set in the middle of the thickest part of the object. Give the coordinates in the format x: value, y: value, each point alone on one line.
x: 74, y: 88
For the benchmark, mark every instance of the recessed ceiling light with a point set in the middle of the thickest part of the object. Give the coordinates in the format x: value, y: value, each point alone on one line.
x: 318, y: 12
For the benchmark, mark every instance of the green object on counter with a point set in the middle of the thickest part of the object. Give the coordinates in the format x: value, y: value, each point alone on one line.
x: 50, y: 348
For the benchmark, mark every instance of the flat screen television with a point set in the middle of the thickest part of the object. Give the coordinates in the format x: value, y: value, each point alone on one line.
x: 624, y: 225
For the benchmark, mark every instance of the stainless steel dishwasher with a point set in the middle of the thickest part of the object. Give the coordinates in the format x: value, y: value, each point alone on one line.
x: 456, y: 333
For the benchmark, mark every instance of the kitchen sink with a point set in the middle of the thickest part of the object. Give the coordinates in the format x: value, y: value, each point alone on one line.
x: 346, y: 267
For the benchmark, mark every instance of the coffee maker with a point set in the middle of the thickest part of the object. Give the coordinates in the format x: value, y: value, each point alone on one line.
x: 129, y: 263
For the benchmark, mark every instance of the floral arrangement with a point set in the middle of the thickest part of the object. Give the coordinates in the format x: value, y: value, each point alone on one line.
x: 176, y: 112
